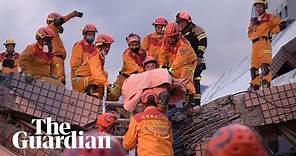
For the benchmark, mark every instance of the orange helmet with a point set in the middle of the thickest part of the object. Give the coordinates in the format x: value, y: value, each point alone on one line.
x: 105, y: 121
x: 52, y: 16
x: 103, y: 39
x: 183, y: 15
x: 89, y: 28
x: 115, y: 150
x: 149, y: 59
x: 234, y: 140
x: 160, y: 21
x: 44, y: 32
x: 172, y: 29
x: 149, y: 96
x: 133, y: 38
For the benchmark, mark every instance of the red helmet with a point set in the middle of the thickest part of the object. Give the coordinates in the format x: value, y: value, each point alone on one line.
x: 44, y: 32
x: 149, y: 59
x: 105, y: 121
x: 103, y: 39
x: 172, y: 29
x: 149, y: 96
x: 133, y: 38
x: 115, y: 150
x: 89, y: 28
x: 52, y: 16
x: 234, y: 140
x: 183, y: 15
x: 160, y: 21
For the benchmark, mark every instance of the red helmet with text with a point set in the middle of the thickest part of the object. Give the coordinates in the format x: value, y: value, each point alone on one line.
x: 235, y: 140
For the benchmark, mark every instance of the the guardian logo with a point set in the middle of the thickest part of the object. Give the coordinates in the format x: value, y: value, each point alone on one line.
x: 55, y: 137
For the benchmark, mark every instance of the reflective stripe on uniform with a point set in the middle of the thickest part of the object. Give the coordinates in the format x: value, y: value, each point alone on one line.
x: 267, y: 51
x: 198, y: 78
x: 85, y: 81
x: 201, y: 36
x: 202, y: 48
x: 190, y: 69
x: 197, y: 96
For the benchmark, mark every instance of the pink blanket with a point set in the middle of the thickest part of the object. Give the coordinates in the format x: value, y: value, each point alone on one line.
x: 155, y: 79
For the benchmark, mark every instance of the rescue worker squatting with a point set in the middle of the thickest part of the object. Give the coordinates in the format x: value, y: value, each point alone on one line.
x: 53, y: 140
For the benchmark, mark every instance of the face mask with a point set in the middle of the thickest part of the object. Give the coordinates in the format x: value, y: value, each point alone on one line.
x: 90, y: 39
x: 45, y: 48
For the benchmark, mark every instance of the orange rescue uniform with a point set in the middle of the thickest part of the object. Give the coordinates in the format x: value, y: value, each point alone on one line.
x: 58, y: 53
x: 33, y: 61
x: 152, y: 44
x: 132, y: 63
x: 87, y: 67
x: 14, y: 58
x: 181, y: 59
x: 151, y: 132
x: 261, y: 48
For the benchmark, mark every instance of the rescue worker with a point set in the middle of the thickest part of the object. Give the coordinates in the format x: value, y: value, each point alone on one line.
x: 198, y: 40
x: 79, y: 62
x: 105, y: 123
x: 133, y: 58
x: 98, y: 79
x: 151, y: 63
x: 259, y: 32
x: 153, y: 41
x: 179, y: 57
x: 150, y: 130
x: 9, y: 60
x: 36, y: 60
x: 115, y: 150
x: 235, y: 140
x: 54, y: 22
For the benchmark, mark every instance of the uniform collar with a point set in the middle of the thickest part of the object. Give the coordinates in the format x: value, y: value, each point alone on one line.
x: 149, y: 108
x: 85, y: 42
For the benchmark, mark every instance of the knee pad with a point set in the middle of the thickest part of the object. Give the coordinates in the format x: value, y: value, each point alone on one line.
x: 254, y: 72
x: 265, y: 69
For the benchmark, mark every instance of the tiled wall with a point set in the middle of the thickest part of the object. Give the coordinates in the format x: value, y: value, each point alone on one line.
x: 278, y: 104
x: 286, y: 53
x: 41, y: 99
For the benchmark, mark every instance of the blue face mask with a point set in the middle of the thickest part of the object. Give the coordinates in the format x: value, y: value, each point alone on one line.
x: 90, y: 39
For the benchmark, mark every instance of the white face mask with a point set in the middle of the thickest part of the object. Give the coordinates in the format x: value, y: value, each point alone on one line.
x: 45, y: 48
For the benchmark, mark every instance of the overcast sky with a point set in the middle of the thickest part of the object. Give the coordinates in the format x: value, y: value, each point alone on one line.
x: 225, y: 23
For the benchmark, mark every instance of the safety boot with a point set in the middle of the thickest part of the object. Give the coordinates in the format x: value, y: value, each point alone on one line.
x: 253, y: 87
x: 192, y: 104
x: 265, y: 84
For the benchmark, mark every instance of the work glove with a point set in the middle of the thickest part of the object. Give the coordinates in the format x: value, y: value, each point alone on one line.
x: 170, y: 70
x: 76, y: 14
x: 90, y: 89
x: 109, y: 88
x: 29, y: 78
x: 54, y: 77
